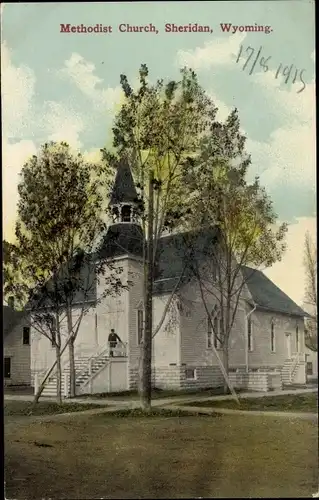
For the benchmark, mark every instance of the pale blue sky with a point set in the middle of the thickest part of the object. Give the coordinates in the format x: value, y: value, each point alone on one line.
x: 57, y: 83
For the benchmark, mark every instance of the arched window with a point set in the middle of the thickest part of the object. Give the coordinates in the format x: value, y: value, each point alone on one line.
x: 214, y: 329
x: 140, y: 322
x: 53, y: 331
x: 126, y: 213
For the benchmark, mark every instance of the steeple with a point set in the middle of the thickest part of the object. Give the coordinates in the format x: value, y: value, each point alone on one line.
x: 124, y: 235
x: 124, y: 198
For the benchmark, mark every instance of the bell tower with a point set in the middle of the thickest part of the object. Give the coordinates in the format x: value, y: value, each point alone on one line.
x: 124, y: 199
x: 124, y: 235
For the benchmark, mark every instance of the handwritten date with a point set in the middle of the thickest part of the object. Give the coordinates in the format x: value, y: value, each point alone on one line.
x: 253, y: 58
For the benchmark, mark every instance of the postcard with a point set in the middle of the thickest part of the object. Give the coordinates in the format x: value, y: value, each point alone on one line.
x: 159, y: 249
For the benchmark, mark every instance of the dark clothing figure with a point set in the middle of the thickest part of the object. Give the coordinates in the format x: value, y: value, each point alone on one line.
x: 113, y: 340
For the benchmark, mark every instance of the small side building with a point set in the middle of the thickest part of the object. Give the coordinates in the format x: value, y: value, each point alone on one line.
x: 311, y: 363
x: 16, y: 347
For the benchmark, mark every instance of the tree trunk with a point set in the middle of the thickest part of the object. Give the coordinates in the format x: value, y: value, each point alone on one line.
x: 226, y: 366
x: 72, y: 369
x: 71, y: 353
x: 146, y: 389
x: 43, y: 383
x: 58, y: 375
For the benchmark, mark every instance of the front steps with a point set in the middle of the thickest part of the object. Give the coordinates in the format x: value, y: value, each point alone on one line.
x: 293, y: 372
x: 83, y: 374
x: 86, y: 367
x: 50, y: 388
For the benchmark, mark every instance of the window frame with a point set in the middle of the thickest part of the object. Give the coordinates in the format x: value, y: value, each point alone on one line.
x: 193, y: 370
x: 309, y: 365
x: 212, y: 321
x: 209, y: 335
x: 23, y: 335
x: 216, y: 318
x: 126, y: 213
x: 139, y: 325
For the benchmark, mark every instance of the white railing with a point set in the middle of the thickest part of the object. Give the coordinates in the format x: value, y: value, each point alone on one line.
x: 116, y: 351
x: 294, y: 366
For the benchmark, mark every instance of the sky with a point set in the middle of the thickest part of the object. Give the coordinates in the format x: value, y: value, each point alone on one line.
x: 65, y: 86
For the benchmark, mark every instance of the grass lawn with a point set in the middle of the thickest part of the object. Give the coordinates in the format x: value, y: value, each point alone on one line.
x: 24, y: 408
x: 108, y: 456
x: 290, y: 402
x: 156, y: 393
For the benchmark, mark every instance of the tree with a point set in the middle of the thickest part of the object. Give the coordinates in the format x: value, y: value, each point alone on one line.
x: 8, y: 250
x: 238, y: 220
x: 310, y: 266
x: 158, y: 126
x: 58, y: 233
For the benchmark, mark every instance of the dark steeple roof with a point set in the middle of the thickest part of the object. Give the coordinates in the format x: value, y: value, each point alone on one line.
x: 124, y: 190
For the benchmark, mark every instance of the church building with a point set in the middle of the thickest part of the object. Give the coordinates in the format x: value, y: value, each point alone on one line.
x: 267, y: 348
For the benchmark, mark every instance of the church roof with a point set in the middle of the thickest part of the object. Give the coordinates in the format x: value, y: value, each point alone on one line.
x: 268, y: 296
x: 122, y: 239
x: 124, y: 190
x: 176, y: 250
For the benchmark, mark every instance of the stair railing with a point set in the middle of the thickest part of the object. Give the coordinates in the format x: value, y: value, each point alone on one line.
x: 97, y: 355
x: 293, y: 367
x: 121, y: 350
x: 88, y: 366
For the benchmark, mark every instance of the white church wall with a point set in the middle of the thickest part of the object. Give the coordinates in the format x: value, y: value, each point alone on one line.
x: 166, y: 343
x: 112, y: 311
x: 262, y: 355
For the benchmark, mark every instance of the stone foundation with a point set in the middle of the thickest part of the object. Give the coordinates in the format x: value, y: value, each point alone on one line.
x: 259, y: 381
x: 204, y: 377
x: 177, y: 377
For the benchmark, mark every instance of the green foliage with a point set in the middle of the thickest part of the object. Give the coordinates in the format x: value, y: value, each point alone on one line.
x: 201, y: 168
x: 158, y: 127
x: 285, y: 403
x: 9, y: 264
x: 218, y: 195
x: 26, y: 408
x: 310, y: 266
x: 58, y: 231
x: 154, y: 412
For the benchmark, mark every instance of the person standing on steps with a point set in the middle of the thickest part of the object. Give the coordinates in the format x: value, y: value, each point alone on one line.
x: 113, y: 341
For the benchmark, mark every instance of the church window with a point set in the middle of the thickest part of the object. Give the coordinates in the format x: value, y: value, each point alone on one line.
x: 140, y: 325
x: 126, y: 213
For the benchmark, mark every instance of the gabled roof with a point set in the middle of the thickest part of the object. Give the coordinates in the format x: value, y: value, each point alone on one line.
x: 11, y: 318
x: 172, y: 254
x: 175, y: 252
x: 268, y: 296
x: 124, y: 190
